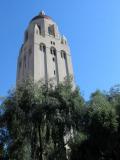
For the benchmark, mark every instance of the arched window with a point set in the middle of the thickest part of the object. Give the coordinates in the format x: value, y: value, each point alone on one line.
x: 64, y: 57
x: 42, y: 47
x: 63, y: 54
x: 38, y: 29
x: 53, y: 51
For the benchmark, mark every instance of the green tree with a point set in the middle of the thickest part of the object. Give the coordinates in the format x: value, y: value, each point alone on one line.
x: 100, y: 122
x: 114, y: 98
x: 39, y: 117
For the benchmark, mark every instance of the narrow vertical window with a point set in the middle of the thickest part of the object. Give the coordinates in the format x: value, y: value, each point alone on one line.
x: 62, y: 42
x: 39, y: 29
x: 44, y: 49
x: 64, y: 55
x: 51, y: 30
x: 54, y: 52
x: 51, y: 51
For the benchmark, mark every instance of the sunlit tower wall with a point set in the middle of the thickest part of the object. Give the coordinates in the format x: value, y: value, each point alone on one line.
x: 45, y: 53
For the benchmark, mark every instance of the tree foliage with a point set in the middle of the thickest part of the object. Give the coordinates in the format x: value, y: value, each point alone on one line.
x: 101, y: 125
x: 40, y: 120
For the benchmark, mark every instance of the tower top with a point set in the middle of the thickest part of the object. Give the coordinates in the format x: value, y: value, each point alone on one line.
x: 41, y: 15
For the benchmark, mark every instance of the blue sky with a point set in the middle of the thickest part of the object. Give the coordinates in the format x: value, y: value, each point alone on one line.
x: 91, y: 26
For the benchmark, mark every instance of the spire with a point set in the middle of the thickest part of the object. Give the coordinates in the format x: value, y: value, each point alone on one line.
x: 42, y: 13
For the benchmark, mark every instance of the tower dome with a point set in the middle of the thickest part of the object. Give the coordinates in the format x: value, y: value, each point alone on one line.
x: 41, y: 15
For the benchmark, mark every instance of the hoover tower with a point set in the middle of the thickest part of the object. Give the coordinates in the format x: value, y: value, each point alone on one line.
x: 45, y: 53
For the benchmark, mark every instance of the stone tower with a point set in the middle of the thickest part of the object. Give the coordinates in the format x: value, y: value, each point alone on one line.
x: 45, y: 54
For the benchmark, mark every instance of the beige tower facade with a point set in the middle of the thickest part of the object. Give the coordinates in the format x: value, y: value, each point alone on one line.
x: 45, y: 53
